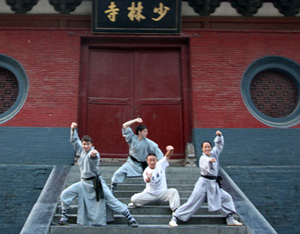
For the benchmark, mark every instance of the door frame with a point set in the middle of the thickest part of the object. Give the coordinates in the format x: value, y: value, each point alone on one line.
x: 105, y: 41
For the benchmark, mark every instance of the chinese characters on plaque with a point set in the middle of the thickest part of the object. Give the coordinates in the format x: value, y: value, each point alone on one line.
x: 136, y: 16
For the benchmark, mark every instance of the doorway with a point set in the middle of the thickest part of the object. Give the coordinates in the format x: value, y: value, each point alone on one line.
x: 134, y: 78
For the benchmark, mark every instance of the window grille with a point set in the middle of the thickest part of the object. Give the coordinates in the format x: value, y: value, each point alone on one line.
x: 274, y: 93
x: 9, y: 90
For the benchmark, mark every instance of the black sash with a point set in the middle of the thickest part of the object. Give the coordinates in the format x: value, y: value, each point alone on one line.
x: 97, y: 186
x: 144, y: 164
x: 218, y: 179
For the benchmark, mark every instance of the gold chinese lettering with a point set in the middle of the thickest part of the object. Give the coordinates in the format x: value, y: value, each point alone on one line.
x: 112, y: 12
x: 161, y: 10
x: 136, y: 12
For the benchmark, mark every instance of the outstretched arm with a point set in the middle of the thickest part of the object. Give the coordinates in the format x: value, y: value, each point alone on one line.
x: 219, y: 140
x: 73, y: 126
x: 219, y: 144
x: 169, y: 153
x: 74, y: 139
x: 130, y: 122
x: 94, y: 153
x: 218, y: 133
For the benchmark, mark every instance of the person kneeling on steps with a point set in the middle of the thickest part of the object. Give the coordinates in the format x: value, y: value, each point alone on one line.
x: 156, y: 183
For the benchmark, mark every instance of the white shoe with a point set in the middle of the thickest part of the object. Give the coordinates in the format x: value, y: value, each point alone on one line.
x: 234, y: 223
x: 63, y: 221
x: 172, y: 223
x: 131, y: 205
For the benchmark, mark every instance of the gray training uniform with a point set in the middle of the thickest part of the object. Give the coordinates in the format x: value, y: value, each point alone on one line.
x: 90, y: 212
x: 206, y: 189
x: 138, y: 150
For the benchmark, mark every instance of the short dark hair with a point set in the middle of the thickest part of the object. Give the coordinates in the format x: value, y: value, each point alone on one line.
x: 140, y: 128
x: 206, y: 142
x: 87, y: 138
x: 151, y: 154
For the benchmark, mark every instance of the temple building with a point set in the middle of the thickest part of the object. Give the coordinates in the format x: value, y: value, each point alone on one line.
x: 187, y: 68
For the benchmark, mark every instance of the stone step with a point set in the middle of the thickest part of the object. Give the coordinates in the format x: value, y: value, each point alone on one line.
x: 147, y: 209
x: 186, y: 175
x: 128, y: 194
x: 126, y: 200
x: 182, y: 172
x: 170, y: 169
x: 149, y: 229
x: 159, y: 219
x: 122, y: 194
x: 153, y: 217
x: 139, y: 181
x: 141, y: 187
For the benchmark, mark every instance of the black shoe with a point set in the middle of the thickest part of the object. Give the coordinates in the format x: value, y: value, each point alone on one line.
x: 113, y: 188
x: 133, y: 223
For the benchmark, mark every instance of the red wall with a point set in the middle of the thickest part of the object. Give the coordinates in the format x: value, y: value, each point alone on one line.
x: 51, y: 61
x: 219, y: 58
x: 218, y: 61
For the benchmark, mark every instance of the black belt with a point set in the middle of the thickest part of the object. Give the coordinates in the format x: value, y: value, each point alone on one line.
x: 144, y: 164
x: 218, y: 179
x: 90, y: 178
x: 97, y: 186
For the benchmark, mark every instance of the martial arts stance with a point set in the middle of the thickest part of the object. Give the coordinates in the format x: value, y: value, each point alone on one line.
x: 156, y: 183
x: 139, y: 147
x: 207, y: 188
x: 92, y: 192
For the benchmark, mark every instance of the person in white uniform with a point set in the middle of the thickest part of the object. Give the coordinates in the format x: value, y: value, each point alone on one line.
x: 92, y: 192
x: 156, y: 183
x: 139, y: 147
x: 208, y: 188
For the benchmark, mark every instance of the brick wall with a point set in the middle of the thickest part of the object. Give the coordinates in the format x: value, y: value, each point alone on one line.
x: 36, y: 146
x: 39, y: 133
x: 274, y: 191
x: 263, y: 161
x: 219, y: 59
x: 20, y: 187
x: 51, y: 61
x: 254, y: 147
x: 26, y: 158
x: 265, y: 164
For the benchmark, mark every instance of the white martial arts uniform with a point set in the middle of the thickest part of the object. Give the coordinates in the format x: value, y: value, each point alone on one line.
x: 90, y: 212
x: 138, y: 149
x: 206, y: 189
x: 157, y: 189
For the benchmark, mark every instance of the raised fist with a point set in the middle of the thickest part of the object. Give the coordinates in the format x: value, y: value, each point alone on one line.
x: 169, y: 147
x: 73, y: 125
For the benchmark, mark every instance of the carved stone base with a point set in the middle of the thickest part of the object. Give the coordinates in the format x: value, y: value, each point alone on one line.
x: 65, y: 6
x: 190, y: 157
x: 204, y: 7
x: 287, y: 7
x: 246, y: 8
x: 21, y: 6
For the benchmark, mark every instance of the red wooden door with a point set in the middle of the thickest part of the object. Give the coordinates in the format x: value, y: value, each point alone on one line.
x: 119, y: 84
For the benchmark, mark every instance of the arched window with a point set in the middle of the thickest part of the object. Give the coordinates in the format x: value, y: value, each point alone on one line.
x: 13, y: 87
x: 270, y: 89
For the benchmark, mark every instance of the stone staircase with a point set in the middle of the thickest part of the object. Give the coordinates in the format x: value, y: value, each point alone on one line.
x: 154, y: 217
